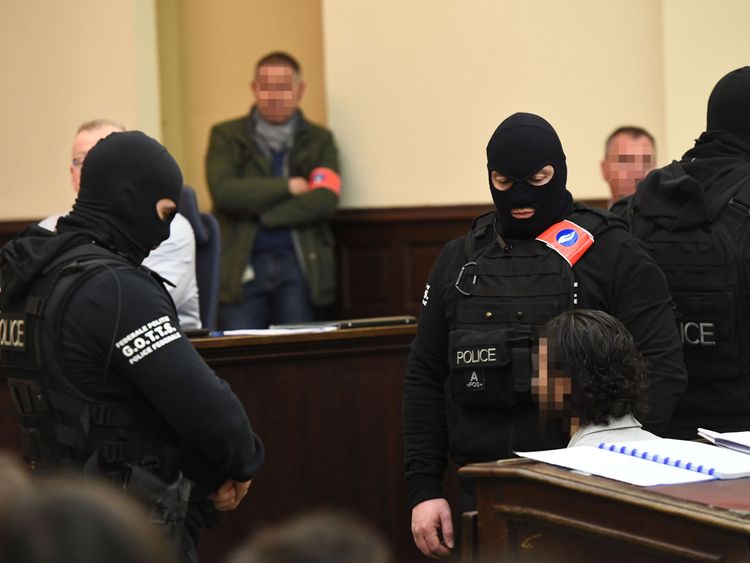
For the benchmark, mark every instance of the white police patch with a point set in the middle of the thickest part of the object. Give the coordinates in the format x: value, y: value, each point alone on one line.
x: 12, y: 332
x: 147, y: 339
x: 426, y: 295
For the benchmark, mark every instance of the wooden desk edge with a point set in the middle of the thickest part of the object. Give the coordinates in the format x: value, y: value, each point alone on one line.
x: 207, y: 342
x: 608, y: 488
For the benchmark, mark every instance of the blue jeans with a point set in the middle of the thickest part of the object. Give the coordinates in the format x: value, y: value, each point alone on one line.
x: 278, y: 294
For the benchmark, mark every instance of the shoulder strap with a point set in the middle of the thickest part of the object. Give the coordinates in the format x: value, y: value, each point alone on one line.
x: 595, y: 221
x: 479, y: 235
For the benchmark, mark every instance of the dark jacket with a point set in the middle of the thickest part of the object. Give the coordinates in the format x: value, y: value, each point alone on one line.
x: 245, y: 195
x: 118, y: 341
x: 682, y: 201
x: 615, y: 275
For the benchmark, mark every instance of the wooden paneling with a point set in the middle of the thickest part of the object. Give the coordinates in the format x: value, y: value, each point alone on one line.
x: 328, y: 409
x: 536, y: 513
x: 384, y: 255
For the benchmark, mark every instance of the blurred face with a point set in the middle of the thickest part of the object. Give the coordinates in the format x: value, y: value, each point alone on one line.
x: 629, y: 159
x: 82, y: 144
x: 278, y: 91
x: 551, y: 387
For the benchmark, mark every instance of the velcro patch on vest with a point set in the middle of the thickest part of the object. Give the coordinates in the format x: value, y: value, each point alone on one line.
x: 569, y: 240
x: 12, y: 332
x: 474, y: 380
x: 475, y: 356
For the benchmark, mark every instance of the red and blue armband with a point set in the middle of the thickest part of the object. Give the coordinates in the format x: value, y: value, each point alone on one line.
x: 569, y: 240
x: 327, y: 178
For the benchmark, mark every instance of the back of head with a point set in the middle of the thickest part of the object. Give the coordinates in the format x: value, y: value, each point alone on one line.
x: 327, y: 537
x: 15, y: 479
x: 600, y: 356
x: 729, y: 104
x: 69, y: 522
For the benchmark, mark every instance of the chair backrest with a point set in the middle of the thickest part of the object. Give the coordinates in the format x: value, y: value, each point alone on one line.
x: 207, y: 254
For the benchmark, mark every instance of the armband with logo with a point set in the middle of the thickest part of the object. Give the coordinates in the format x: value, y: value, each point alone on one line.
x: 569, y: 240
x: 322, y: 177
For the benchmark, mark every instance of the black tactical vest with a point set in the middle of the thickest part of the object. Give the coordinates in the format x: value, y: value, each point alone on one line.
x: 707, y: 268
x: 60, y: 426
x: 508, y: 291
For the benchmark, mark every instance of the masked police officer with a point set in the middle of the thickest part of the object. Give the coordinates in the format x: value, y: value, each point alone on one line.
x: 105, y: 381
x: 694, y: 217
x: 537, y: 255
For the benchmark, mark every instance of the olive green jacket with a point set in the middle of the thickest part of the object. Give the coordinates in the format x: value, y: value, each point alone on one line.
x: 245, y: 194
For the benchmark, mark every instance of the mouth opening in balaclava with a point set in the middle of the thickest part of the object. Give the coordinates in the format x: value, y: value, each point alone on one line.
x: 522, y: 145
x: 122, y: 179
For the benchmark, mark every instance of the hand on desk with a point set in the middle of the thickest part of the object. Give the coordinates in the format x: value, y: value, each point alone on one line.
x: 430, y: 520
x: 230, y: 494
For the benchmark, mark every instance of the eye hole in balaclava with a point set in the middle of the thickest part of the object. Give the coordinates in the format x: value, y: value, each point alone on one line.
x: 123, y: 178
x: 521, y: 148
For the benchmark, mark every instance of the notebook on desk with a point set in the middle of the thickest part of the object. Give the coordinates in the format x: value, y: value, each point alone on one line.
x: 650, y: 462
x: 353, y: 323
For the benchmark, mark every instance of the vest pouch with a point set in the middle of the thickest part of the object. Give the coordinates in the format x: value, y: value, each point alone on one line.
x: 703, y: 278
x: 707, y: 323
x: 482, y: 368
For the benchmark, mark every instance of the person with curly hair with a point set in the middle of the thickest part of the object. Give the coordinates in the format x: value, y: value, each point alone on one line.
x: 592, y: 371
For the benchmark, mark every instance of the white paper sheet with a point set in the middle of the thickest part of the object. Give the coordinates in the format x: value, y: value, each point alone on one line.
x: 276, y: 331
x: 627, y: 469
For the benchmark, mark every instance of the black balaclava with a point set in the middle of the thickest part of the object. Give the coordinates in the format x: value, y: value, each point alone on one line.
x: 729, y: 104
x: 522, y: 145
x: 122, y: 179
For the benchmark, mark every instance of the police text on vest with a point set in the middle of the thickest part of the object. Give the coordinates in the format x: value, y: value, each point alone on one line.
x: 477, y: 356
x: 12, y: 333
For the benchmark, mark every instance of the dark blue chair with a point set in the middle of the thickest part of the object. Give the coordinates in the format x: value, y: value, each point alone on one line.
x: 207, y: 254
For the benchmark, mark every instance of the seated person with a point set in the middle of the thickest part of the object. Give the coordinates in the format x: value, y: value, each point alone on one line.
x: 174, y: 259
x: 592, y: 375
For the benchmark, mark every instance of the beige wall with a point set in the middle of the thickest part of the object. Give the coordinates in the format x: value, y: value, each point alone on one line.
x: 209, y: 50
x: 444, y: 79
x: 64, y: 63
x: 702, y: 42
x: 415, y: 91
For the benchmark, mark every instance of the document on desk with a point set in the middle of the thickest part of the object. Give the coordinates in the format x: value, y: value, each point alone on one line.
x: 650, y: 462
x: 275, y: 331
x: 737, y: 441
